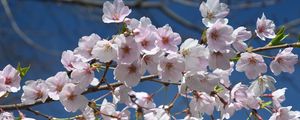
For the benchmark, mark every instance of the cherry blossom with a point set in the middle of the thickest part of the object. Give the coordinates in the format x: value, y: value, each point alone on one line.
x: 168, y: 40
x: 143, y: 99
x: 83, y: 74
x: 278, y: 97
x: 285, y: 113
x: 7, y: 116
x: 88, y: 113
x: 68, y: 59
x: 259, y: 86
x: 9, y: 79
x: 201, y: 81
x: 71, y: 98
x: 120, y: 95
x: 86, y: 45
x: 284, y: 61
x: 202, y: 103
x: 241, y: 35
x: 105, y: 51
x: 150, y: 62
x: 219, y: 36
x: 252, y: 64
x: 115, y: 12
x: 34, y: 91
x: 213, y: 10
x: 221, y: 60
x: 127, y: 49
x: 108, y: 112
x: 157, y: 114
x: 241, y: 94
x: 129, y: 74
x: 265, y: 28
x: 56, y: 83
x: 171, y: 67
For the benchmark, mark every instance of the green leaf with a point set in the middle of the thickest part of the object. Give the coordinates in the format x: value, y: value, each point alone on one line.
x: 265, y: 104
x: 23, y: 70
x: 280, y: 35
x: 218, y: 89
x: 235, y: 59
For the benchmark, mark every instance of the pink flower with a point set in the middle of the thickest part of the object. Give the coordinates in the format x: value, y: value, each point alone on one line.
x: 168, y: 40
x: 9, y: 79
x: 284, y: 61
x: 109, y: 109
x: 241, y: 34
x: 7, y: 116
x: 150, y: 62
x: 56, y: 83
x: 120, y: 95
x: 241, y: 95
x: 278, y: 97
x: 219, y: 36
x: 285, y: 113
x: 157, y: 114
x: 88, y: 113
x: 212, y: 11
x: 68, y: 59
x: 34, y: 91
x: 127, y: 49
x: 83, y: 74
x: 115, y: 12
x: 71, y: 97
x: 252, y: 64
x: 147, y: 44
x: 86, y: 45
x: 265, y: 28
x: 202, y: 103
x: 194, y: 60
x: 105, y: 51
x: 201, y: 81
x: 259, y: 86
x: 220, y: 60
x: 129, y: 74
x: 143, y: 100
x: 171, y: 67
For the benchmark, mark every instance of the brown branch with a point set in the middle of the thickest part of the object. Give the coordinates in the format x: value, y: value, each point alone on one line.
x: 39, y: 113
x: 295, y: 45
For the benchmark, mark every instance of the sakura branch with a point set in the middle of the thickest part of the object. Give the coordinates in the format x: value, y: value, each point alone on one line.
x: 145, y: 52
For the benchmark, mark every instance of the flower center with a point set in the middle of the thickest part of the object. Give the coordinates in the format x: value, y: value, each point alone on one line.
x: 165, y: 40
x: 214, y: 35
x: 169, y: 65
x: 144, y: 43
x: 252, y: 60
x: 72, y: 96
x: 8, y: 81
x: 132, y: 69
x: 126, y: 49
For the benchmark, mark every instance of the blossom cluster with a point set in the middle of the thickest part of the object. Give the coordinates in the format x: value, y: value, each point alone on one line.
x: 202, y: 69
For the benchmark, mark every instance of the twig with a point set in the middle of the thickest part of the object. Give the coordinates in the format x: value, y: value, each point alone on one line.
x: 39, y: 113
x: 295, y: 45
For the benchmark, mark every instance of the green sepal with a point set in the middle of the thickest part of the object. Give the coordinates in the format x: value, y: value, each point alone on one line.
x: 22, y: 70
x: 280, y: 36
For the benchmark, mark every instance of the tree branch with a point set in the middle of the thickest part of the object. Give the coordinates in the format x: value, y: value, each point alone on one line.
x: 295, y: 45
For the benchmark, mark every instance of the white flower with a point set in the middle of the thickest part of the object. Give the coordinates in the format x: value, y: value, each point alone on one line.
x: 115, y: 12
x: 242, y: 95
x: 241, y: 35
x: 278, y: 97
x: 265, y: 28
x: 157, y: 114
x: 71, y: 97
x: 6, y: 116
x: 129, y: 74
x: 284, y: 61
x: 120, y: 95
x: 171, y: 67
x: 150, y: 62
x: 86, y: 45
x: 194, y: 60
x: 220, y: 60
x: 83, y: 74
x: 127, y: 50
x: 285, y: 113
x: 88, y: 113
x: 68, y: 59
x: 143, y: 99
x: 56, y: 83
x: 34, y: 91
x: 9, y: 79
x: 108, y: 112
x: 168, y: 40
x: 201, y: 81
x: 213, y: 11
x: 105, y: 51
x: 219, y: 36
x: 202, y: 103
x: 259, y: 86
x: 252, y: 64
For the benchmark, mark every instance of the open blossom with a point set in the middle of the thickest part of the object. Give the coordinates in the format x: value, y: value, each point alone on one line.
x: 9, y: 79
x: 278, y: 97
x: 83, y: 74
x: 56, y: 83
x: 259, y: 86
x: 127, y: 49
x: 221, y: 60
x: 241, y: 35
x: 129, y: 74
x: 71, y: 97
x: 34, y: 91
x: 252, y: 64
x: 115, y: 12
x: 213, y: 10
x: 109, y: 109
x: 285, y: 113
x: 120, y: 95
x: 168, y: 40
x: 86, y: 45
x: 171, y: 67
x: 147, y: 43
x: 68, y: 59
x: 202, y: 103
x: 88, y: 113
x: 201, y: 81
x: 242, y: 95
x: 150, y: 62
x: 265, y: 28
x: 157, y: 114
x: 194, y: 60
x: 284, y: 61
x: 143, y: 99
x: 219, y: 36
x: 7, y: 116
x: 105, y: 51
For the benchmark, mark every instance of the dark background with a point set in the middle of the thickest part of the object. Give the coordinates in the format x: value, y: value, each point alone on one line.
x: 37, y: 31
